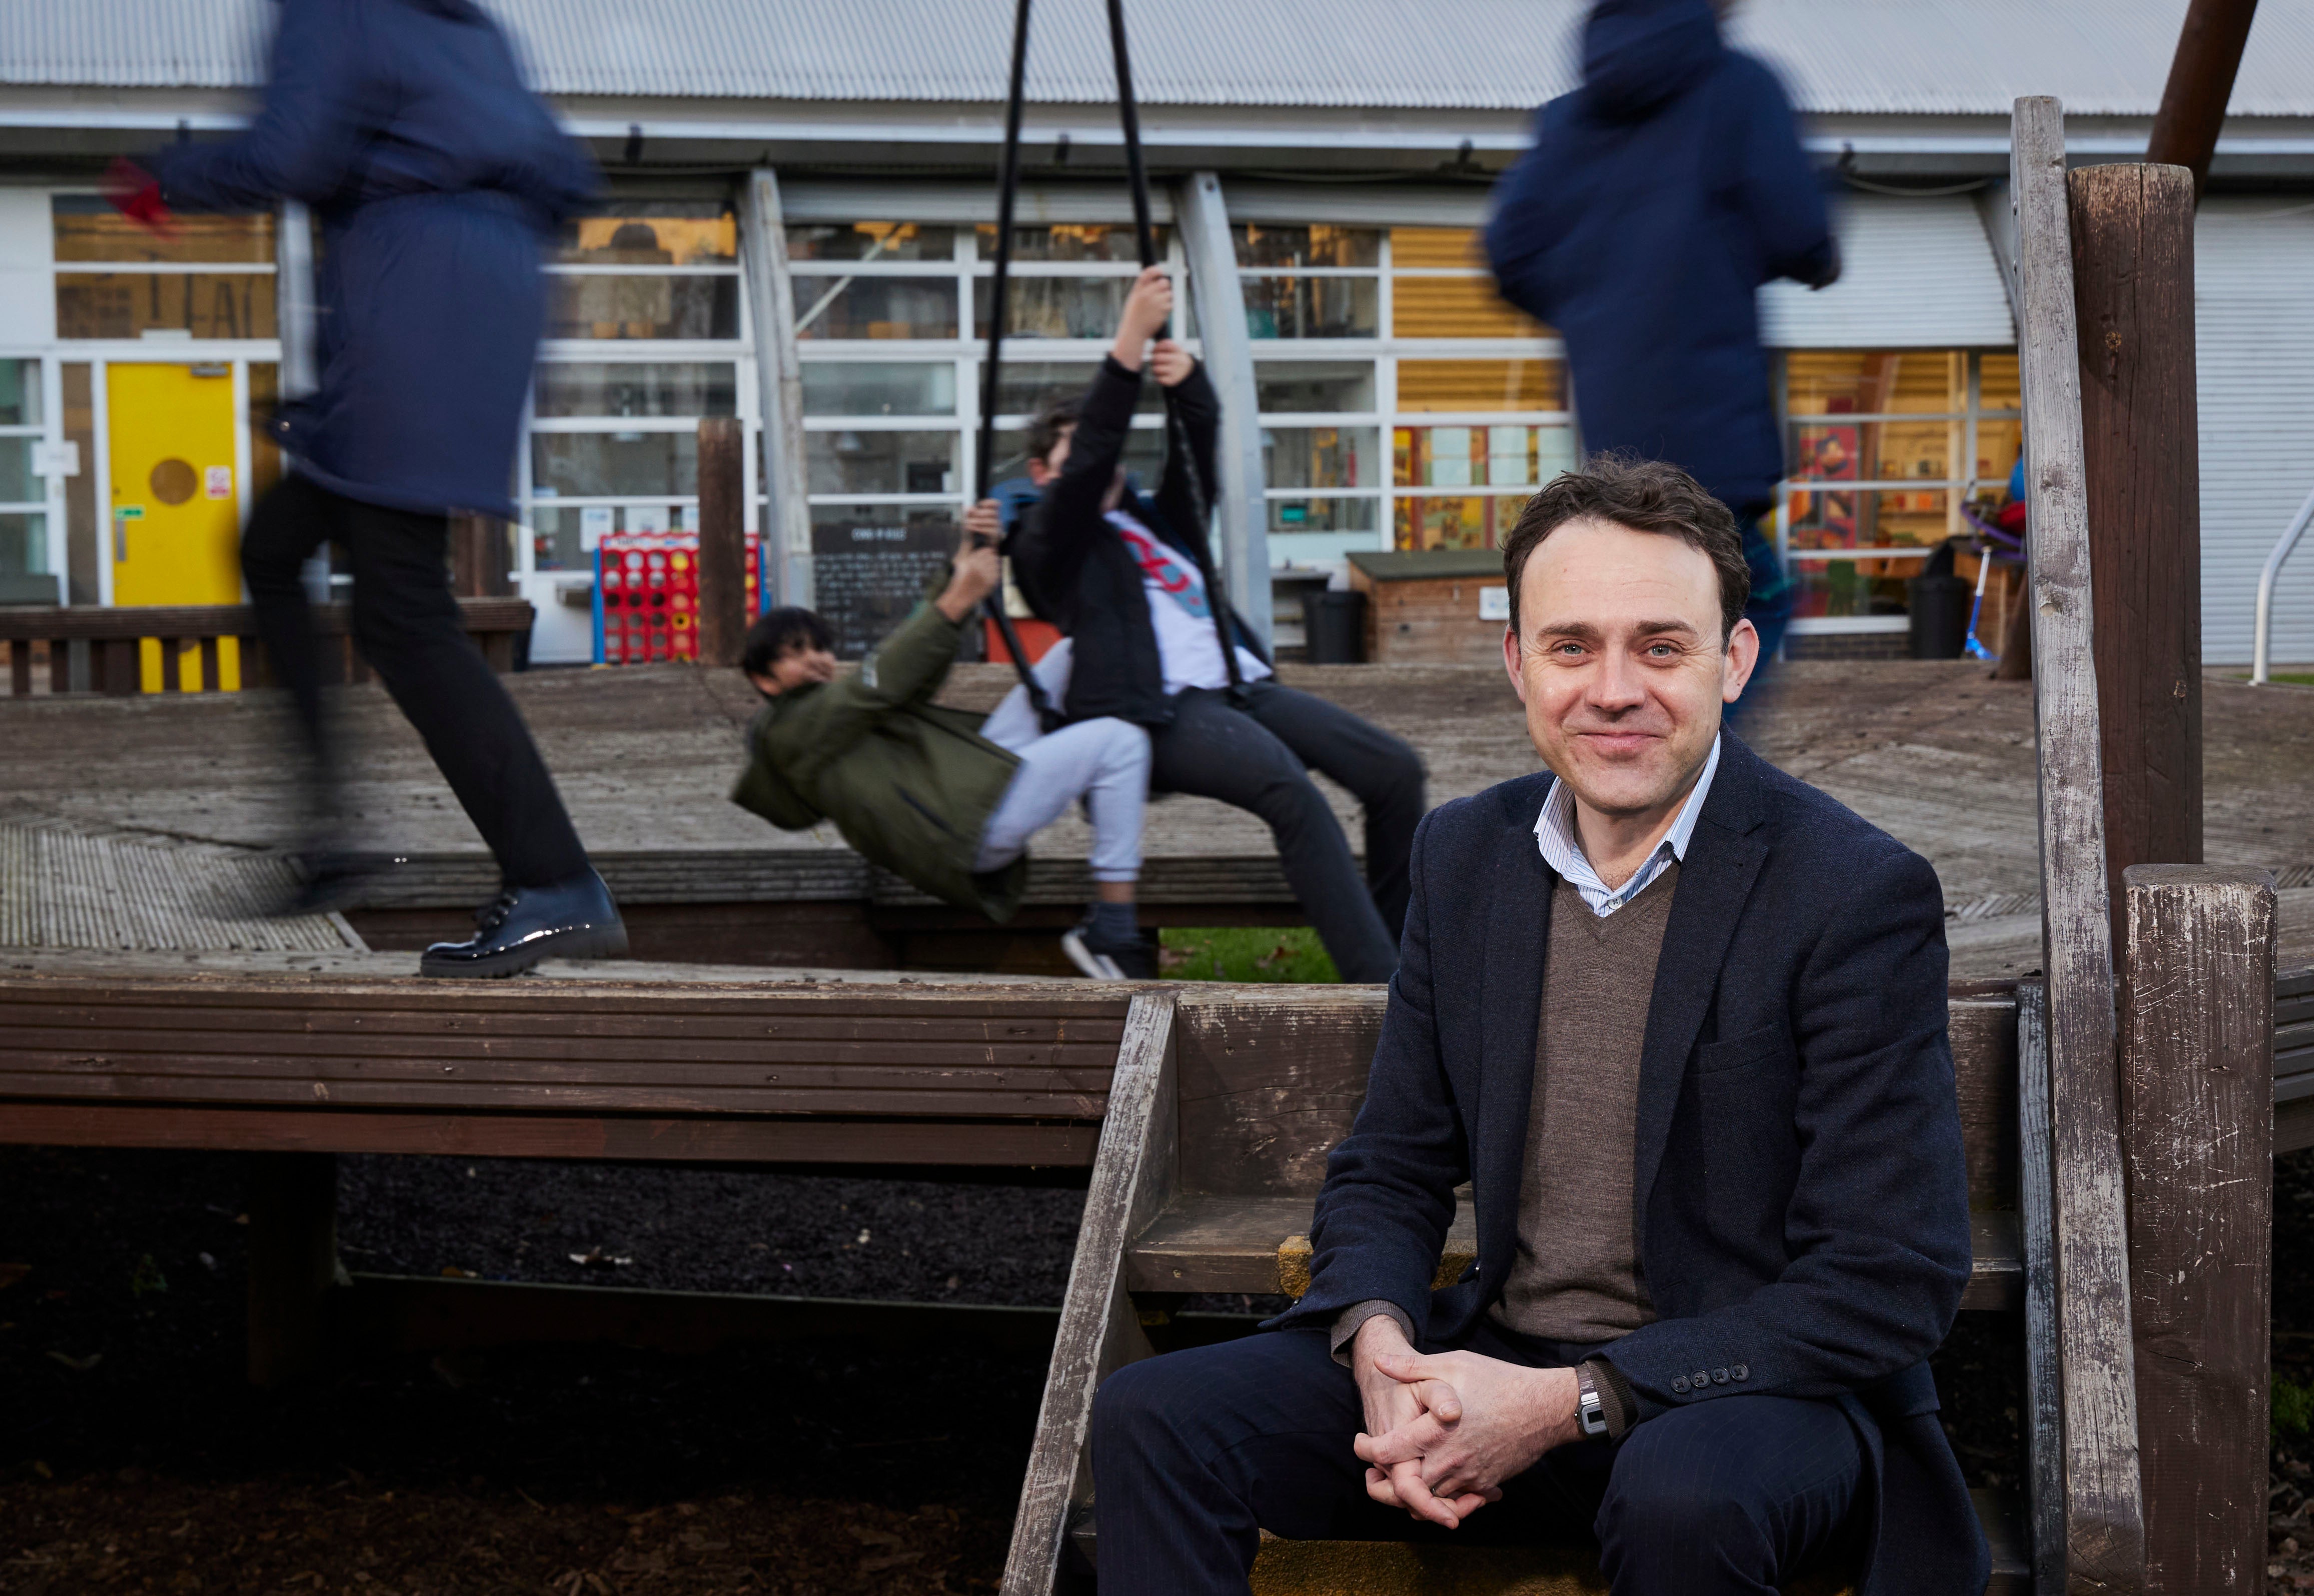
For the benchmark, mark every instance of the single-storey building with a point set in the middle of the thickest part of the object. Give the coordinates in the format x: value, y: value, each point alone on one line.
x: 798, y: 231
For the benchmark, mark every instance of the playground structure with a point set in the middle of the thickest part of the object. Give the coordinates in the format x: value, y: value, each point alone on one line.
x: 2120, y: 1111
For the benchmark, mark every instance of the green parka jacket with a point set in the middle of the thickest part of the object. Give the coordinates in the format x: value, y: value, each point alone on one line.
x: 909, y: 784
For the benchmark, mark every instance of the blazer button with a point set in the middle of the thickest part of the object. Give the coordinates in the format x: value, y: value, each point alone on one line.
x: 1719, y: 1377
x: 1679, y: 1382
x: 1699, y: 1379
x: 1738, y: 1371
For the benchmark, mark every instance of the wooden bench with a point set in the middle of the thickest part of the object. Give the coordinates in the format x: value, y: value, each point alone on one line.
x: 921, y: 1078
x: 1223, y: 1108
x: 98, y: 650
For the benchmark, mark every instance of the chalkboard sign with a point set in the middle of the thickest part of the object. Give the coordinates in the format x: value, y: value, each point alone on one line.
x: 871, y: 569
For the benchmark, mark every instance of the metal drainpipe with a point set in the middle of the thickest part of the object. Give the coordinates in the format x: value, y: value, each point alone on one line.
x: 2265, y: 581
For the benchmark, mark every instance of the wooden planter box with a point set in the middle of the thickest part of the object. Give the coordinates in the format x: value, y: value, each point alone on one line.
x: 1436, y: 607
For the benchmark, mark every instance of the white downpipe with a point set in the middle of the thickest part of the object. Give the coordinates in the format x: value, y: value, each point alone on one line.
x: 2265, y: 580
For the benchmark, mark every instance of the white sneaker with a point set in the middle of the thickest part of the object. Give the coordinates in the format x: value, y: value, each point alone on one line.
x: 1096, y: 966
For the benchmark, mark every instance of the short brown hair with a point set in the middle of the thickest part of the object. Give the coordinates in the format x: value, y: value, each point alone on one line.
x: 1645, y: 495
x: 1044, y: 432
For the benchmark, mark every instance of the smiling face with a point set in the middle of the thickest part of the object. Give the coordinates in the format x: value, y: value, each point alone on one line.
x: 1621, y: 664
x: 803, y: 665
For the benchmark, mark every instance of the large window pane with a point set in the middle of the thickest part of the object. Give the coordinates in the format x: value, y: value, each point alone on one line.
x: 861, y: 461
x: 878, y: 388
x: 1874, y: 451
x: 653, y: 233
x: 1514, y: 456
x: 1261, y: 245
x: 871, y: 240
x: 875, y: 307
x: 1055, y: 307
x: 1311, y: 307
x: 19, y: 393
x: 1996, y: 383
x: 87, y: 228
x: 642, y: 306
x: 1324, y: 515
x: 1301, y: 386
x: 1843, y: 589
x: 615, y: 464
x: 1473, y: 521
x: 128, y: 304
x: 24, y: 553
x: 18, y: 485
x: 1453, y: 307
x: 1025, y: 387
x: 1481, y: 385
x: 1875, y: 382
x: 1145, y: 454
x: 1321, y: 456
x: 564, y: 537
x: 1097, y: 240
x: 640, y: 388
x: 1833, y: 518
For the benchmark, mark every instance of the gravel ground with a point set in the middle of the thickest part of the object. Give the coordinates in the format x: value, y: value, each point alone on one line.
x: 137, y: 1457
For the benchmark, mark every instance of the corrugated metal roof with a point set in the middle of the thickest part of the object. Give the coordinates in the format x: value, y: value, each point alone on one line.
x: 1869, y: 57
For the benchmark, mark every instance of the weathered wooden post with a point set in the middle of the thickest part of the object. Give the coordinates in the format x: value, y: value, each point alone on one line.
x: 2104, y: 1527
x: 722, y: 616
x: 2132, y: 228
x: 2197, y: 1133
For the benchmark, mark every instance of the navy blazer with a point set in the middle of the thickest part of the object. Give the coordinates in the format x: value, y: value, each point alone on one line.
x: 1800, y: 1198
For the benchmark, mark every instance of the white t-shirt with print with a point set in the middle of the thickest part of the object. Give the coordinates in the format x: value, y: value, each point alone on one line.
x: 1188, y: 648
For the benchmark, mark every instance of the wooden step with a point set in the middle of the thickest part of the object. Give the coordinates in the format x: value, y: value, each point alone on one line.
x: 1398, y: 1568
x: 1260, y: 1245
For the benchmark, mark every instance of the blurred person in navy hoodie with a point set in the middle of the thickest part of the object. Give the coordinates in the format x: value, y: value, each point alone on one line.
x: 437, y: 179
x: 1655, y: 201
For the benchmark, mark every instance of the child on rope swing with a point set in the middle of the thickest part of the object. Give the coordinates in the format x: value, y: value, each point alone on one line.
x: 942, y: 796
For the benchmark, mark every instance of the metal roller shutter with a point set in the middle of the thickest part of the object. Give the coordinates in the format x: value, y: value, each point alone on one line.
x: 1915, y: 274
x: 2254, y: 344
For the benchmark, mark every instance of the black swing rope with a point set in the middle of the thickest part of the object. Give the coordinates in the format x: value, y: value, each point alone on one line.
x: 1180, y: 456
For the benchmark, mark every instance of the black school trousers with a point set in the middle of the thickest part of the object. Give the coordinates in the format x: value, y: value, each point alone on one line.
x: 1258, y: 758
x: 1195, y: 1453
x: 406, y: 623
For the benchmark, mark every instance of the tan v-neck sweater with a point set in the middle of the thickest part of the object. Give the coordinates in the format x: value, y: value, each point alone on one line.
x: 1576, y: 1276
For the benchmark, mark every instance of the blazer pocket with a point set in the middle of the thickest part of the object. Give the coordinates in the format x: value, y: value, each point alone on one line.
x: 1768, y: 1042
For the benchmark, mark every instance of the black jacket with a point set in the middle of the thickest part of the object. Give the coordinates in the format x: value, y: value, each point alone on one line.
x: 1075, y: 571
x: 1799, y: 1193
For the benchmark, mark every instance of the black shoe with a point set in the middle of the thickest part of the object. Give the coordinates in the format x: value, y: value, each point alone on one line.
x: 1135, y: 960
x: 572, y: 919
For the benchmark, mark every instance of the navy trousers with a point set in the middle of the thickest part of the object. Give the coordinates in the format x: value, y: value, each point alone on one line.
x: 1194, y: 1453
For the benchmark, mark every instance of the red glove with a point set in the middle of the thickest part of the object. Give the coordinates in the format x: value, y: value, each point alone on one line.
x: 135, y: 193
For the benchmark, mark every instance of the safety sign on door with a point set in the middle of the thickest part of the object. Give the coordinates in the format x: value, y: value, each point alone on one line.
x: 218, y: 481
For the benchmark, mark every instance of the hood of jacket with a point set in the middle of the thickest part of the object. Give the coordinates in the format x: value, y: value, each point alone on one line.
x: 1638, y: 54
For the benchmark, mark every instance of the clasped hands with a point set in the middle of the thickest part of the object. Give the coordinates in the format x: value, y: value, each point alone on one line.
x: 1444, y: 1433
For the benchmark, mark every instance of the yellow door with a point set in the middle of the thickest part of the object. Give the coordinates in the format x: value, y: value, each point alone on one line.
x: 176, y: 525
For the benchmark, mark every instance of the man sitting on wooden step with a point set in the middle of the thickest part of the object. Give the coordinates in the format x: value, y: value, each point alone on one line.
x: 1129, y: 577
x: 1679, y: 1021
x: 945, y: 797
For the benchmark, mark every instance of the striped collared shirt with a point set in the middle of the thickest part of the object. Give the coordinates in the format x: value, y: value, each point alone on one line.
x: 1562, y: 851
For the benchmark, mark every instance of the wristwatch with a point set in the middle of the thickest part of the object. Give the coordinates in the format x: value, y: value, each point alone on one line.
x: 1590, y: 1405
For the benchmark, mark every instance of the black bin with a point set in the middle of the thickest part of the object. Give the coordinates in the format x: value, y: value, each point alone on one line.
x: 1938, y: 601
x: 1334, y: 627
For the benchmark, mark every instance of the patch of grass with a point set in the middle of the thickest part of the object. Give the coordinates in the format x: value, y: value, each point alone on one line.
x: 1244, y: 953
x: 2295, y: 678
x: 2293, y: 1408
